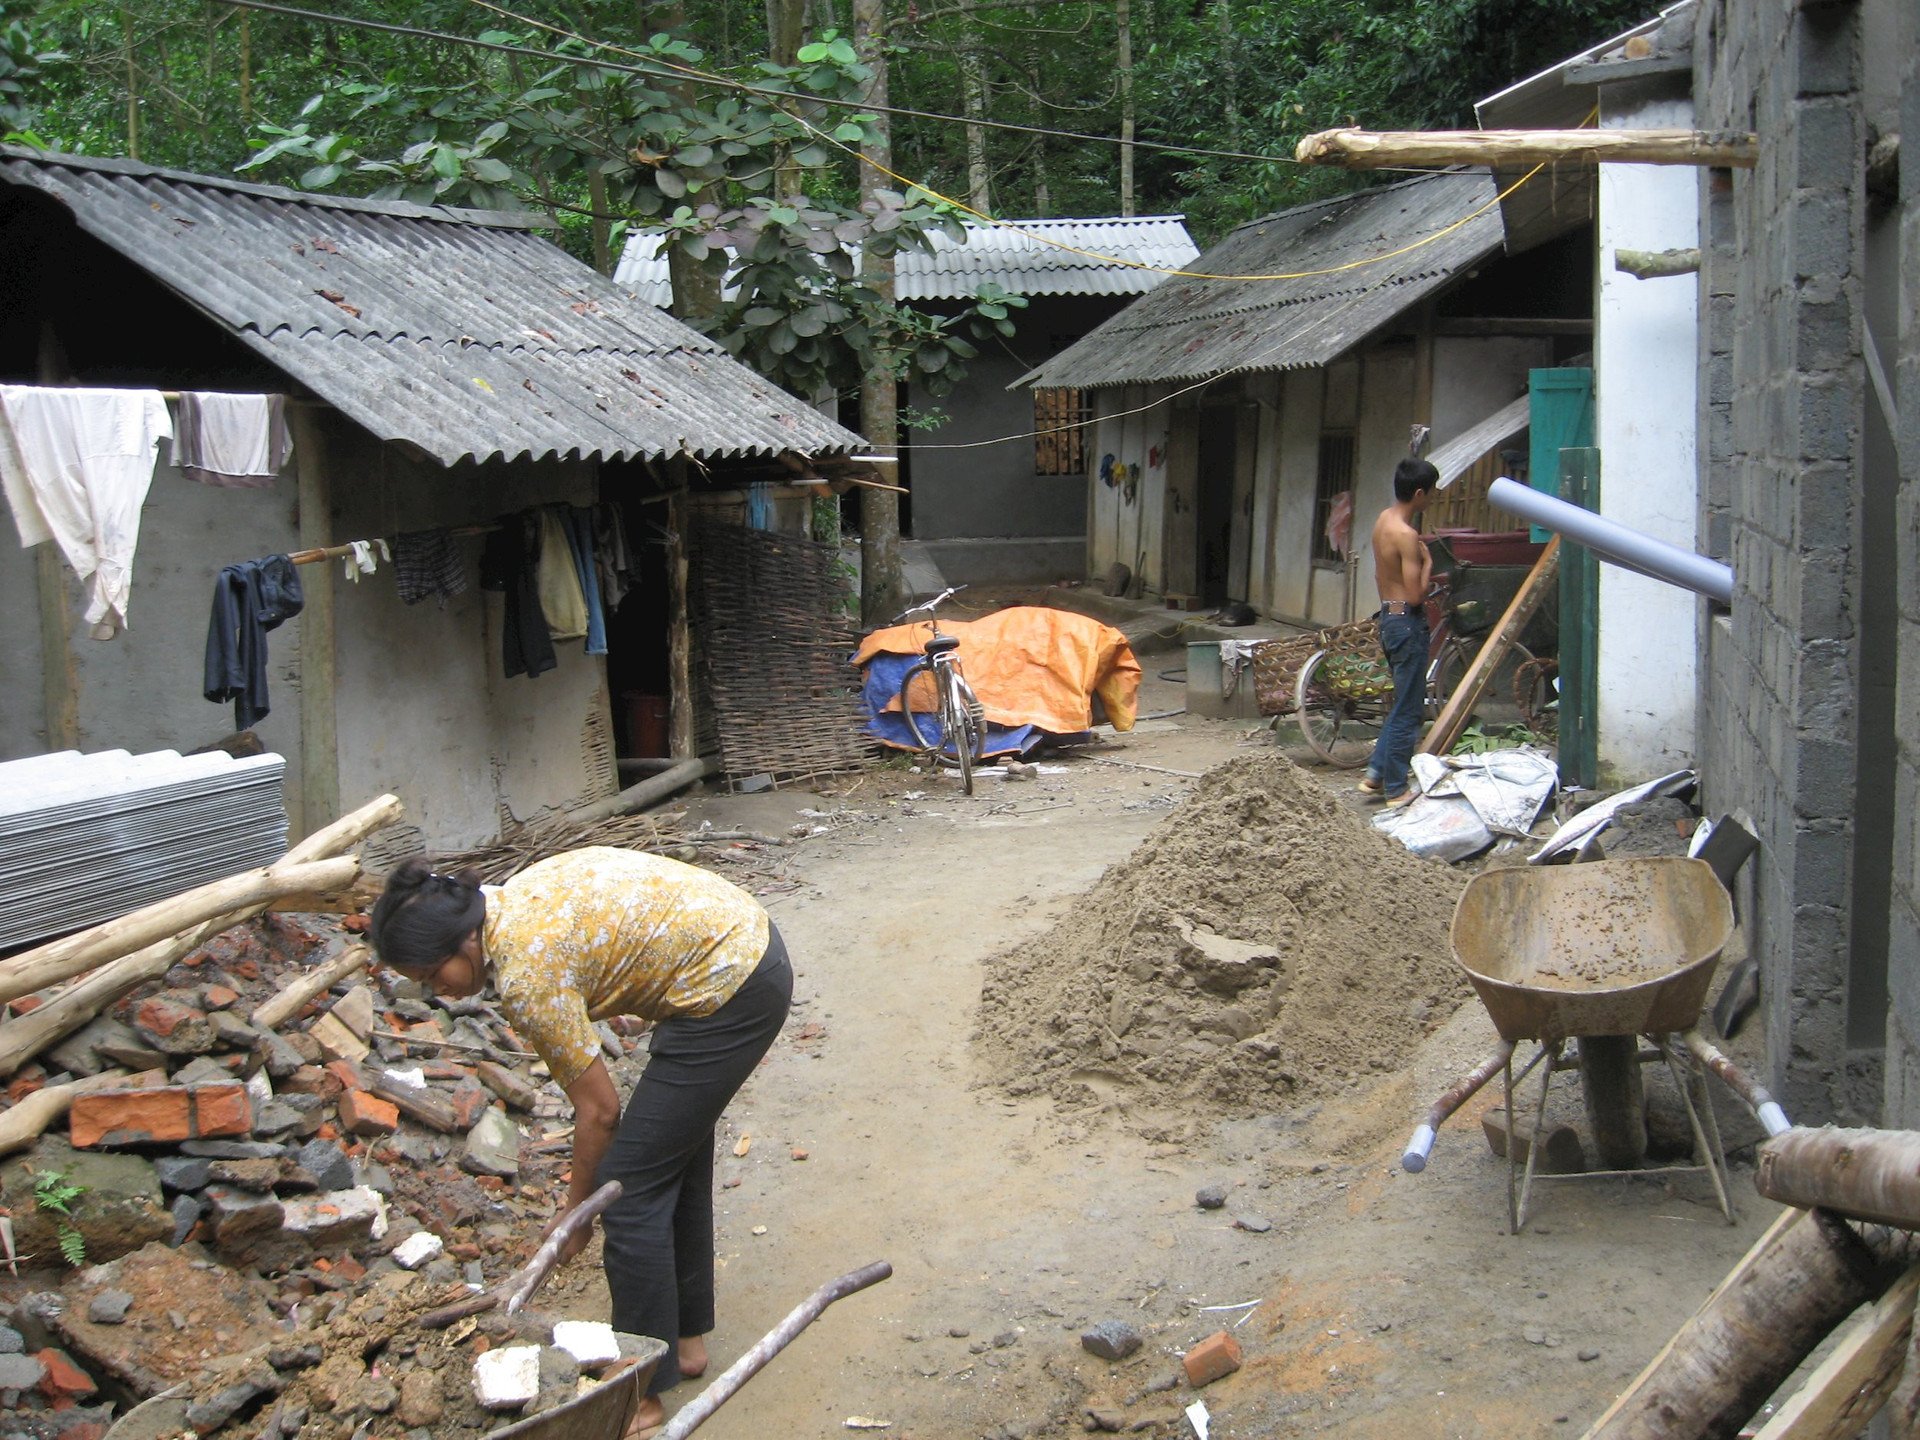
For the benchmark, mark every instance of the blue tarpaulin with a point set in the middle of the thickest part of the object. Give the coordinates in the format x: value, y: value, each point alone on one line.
x: 882, y: 684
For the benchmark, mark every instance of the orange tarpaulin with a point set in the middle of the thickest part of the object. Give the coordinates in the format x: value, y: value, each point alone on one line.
x: 1030, y: 665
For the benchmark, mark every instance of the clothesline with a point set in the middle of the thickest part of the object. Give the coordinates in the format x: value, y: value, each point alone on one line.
x: 337, y: 552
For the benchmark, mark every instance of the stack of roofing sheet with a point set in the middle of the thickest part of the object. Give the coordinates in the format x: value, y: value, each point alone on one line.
x: 84, y: 838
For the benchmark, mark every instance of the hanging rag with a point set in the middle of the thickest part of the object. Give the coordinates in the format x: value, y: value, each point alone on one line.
x: 579, y: 522
x: 235, y: 441
x: 561, y: 599
x: 249, y: 599
x: 510, y: 564
x: 75, y: 466
x: 363, y: 557
x: 612, y: 554
x: 425, y: 563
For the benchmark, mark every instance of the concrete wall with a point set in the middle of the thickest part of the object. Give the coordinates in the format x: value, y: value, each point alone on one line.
x: 1644, y: 370
x: 422, y: 706
x: 992, y: 490
x: 1783, y: 493
x: 1133, y: 424
x: 1474, y: 378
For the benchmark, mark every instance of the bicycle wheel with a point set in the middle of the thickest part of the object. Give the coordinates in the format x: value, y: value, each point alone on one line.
x: 1445, y: 672
x: 961, y: 734
x: 1341, y: 731
x: 922, y: 737
x: 1537, y: 696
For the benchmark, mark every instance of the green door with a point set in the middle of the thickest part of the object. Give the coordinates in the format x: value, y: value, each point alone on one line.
x: 1560, y: 417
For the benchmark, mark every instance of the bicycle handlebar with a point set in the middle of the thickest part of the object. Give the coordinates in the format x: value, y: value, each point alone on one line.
x: 929, y: 605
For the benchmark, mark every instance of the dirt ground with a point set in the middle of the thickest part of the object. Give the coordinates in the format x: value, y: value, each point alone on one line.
x: 1382, y: 1303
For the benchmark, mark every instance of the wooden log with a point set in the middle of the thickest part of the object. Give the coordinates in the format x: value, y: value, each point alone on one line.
x: 1856, y: 1380
x: 353, y: 899
x: 1656, y: 264
x: 1868, y: 1175
x: 1561, y: 1152
x: 650, y: 791
x: 429, y: 1107
x: 1453, y: 715
x: 27, y: 1120
x: 281, y: 1007
x: 22, y: 1039
x: 520, y: 1286
x: 1802, y: 1278
x: 76, y: 954
x: 1380, y: 149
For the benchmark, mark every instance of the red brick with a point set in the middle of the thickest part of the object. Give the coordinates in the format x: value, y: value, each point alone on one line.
x: 444, y: 1070
x: 84, y: 1430
x: 356, y: 924
x: 1213, y: 1357
x: 347, y: 1073
x: 312, y: 1080
x: 470, y: 1101
x: 63, y: 1378
x: 364, y: 1114
x: 27, y: 1004
x: 158, y: 1015
x: 162, y: 1115
x: 245, y: 969
x: 28, y: 1079
x: 349, y: 1269
x: 219, y: 997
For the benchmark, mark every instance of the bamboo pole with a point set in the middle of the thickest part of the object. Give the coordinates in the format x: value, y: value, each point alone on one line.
x: 1380, y: 149
x: 251, y: 889
x: 283, y: 1006
x: 1802, y: 1278
x: 1867, y: 1175
x: 1453, y: 715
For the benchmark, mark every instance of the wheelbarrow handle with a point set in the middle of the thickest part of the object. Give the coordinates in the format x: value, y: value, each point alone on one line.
x: 697, y: 1410
x: 1421, y: 1145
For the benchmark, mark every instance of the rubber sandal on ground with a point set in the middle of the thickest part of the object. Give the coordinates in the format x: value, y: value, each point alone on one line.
x: 1402, y: 800
x: 1369, y: 786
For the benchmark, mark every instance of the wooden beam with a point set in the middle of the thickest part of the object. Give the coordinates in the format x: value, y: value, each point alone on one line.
x: 680, y: 738
x: 1655, y: 264
x: 1379, y: 149
x: 319, y: 738
x: 1453, y: 715
x: 1855, y: 1381
x: 1481, y: 326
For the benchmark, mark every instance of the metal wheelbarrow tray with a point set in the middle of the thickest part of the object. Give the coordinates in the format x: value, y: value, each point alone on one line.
x: 1599, y: 953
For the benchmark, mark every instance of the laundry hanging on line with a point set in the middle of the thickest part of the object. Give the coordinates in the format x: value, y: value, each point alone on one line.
x: 426, y: 562
x: 76, y: 465
x: 232, y: 441
x: 249, y: 599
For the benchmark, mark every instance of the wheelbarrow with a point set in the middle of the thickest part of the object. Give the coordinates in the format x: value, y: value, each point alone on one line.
x: 1598, y: 955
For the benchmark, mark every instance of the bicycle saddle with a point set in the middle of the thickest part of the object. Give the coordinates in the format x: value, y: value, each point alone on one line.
x: 941, y: 644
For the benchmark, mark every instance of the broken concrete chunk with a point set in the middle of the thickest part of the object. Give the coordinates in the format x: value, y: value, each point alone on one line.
x: 203, y: 1070
x: 339, y: 1218
x: 336, y: 1041
x: 327, y: 1163
x: 1111, y: 1340
x: 507, y: 1379
x: 173, y: 1022
x: 493, y: 1147
x: 283, y: 1057
x: 109, y: 1307
x: 590, y: 1342
x: 507, y: 1085
x: 80, y: 1052
x: 417, y: 1249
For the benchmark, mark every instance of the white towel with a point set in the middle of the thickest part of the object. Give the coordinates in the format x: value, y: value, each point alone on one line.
x: 75, y: 465
x: 231, y: 440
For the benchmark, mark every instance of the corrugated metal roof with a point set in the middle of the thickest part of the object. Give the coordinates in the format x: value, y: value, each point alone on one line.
x: 1193, y: 329
x: 461, y: 332
x: 1022, y: 257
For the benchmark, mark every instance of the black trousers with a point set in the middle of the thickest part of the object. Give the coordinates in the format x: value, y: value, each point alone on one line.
x: 659, y: 1233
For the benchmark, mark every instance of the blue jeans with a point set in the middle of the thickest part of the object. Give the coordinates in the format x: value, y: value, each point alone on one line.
x: 1404, y: 639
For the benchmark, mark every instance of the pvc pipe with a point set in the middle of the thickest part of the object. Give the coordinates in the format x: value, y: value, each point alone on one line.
x: 1616, y: 543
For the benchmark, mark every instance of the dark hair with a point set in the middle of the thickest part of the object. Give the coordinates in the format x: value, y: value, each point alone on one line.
x: 423, y: 917
x: 1411, y: 476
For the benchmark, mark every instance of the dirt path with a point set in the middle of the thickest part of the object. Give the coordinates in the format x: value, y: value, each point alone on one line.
x: 1388, y: 1304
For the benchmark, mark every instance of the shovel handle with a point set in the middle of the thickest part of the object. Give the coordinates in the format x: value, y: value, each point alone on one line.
x: 697, y: 1410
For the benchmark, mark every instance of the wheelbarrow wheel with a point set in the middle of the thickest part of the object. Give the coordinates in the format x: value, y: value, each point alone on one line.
x: 1616, y: 1100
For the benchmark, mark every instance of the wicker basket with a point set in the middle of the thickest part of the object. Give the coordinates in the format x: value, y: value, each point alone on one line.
x: 1276, y: 663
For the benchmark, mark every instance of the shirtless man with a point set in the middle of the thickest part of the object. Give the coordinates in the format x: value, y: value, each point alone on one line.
x: 1402, y: 569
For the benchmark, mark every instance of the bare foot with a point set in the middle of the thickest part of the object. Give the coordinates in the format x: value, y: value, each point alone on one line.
x: 647, y: 1420
x: 693, y: 1356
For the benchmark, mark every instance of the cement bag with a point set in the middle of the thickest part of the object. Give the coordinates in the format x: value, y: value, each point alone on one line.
x: 1438, y: 828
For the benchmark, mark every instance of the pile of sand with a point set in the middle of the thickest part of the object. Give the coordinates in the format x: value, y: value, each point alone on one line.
x: 1262, y: 947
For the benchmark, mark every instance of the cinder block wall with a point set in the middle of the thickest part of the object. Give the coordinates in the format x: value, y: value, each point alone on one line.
x: 1780, y: 421
x: 1903, y: 949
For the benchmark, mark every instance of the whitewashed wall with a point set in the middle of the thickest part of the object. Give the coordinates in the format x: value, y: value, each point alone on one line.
x: 1645, y: 371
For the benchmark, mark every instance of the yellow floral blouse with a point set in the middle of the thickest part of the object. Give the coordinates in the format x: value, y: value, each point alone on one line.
x: 598, y: 932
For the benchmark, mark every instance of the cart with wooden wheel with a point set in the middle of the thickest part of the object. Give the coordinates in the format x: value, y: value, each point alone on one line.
x: 1598, y: 957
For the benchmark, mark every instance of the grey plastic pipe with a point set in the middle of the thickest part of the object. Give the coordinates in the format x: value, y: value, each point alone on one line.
x: 1616, y: 543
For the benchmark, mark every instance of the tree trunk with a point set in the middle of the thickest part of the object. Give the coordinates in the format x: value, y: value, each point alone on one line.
x: 1375, y: 149
x: 882, y: 589
x: 133, y: 87
x: 1123, y: 62
x: 1869, y: 1175
x: 973, y: 82
x: 786, y: 27
x: 1229, y: 72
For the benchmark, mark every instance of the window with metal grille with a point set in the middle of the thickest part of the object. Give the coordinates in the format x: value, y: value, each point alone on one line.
x: 1060, y: 419
x: 1334, y: 480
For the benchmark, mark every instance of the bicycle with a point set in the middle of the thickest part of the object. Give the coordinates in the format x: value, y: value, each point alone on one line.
x: 1350, y: 693
x: 957, y: 713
